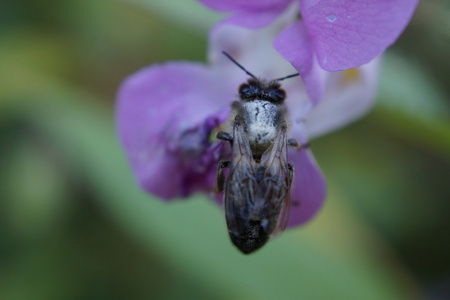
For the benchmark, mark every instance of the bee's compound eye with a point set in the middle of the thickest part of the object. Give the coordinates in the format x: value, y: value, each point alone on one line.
x: 277, y: 94
x: 244, y: 89
x: 249, y: 91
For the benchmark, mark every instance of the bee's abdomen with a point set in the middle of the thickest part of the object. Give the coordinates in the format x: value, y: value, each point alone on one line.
x: 250, y: 237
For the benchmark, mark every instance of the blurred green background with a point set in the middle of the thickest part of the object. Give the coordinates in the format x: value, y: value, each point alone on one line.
x: 74, y: 225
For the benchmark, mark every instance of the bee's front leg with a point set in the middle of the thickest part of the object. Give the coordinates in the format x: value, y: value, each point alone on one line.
x: 224, y: 136
x: 220, y: 178
x: 295, y: 144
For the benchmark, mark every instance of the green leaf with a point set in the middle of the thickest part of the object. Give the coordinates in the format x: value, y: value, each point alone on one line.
x: 412, y: 104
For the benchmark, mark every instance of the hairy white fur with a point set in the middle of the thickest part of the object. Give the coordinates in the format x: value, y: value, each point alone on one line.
x: 260, y: 121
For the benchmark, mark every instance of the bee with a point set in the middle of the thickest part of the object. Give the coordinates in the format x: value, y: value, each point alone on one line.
x: 257, y: 187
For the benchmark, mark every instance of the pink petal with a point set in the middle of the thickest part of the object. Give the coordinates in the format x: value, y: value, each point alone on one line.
x: 252, y: 49
x: 254, y: 18
x: 349, y: 95
x: 158, y: 107
x: 347, y: 34
x: 309, y: 188
x: 294, y: 44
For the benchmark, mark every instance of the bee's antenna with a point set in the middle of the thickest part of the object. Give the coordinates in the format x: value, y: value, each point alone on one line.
x: 237, y: 64
x: 286, y: 77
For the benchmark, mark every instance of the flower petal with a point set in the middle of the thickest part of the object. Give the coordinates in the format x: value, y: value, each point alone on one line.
x: 254, y: 18
x: 349, y: 95
x: 294, y: 44
x: 347, y: 34
x: 252, y: 49
x: 164, y: 113
x: 309, y: 188
x: 249, y: 13
x: 244, y: 5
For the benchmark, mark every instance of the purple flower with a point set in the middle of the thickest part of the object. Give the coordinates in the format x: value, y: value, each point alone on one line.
x: 333, y: 35
x: 167, y: 113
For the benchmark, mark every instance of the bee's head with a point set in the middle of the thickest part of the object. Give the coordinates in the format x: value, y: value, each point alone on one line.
x: 256, y: 89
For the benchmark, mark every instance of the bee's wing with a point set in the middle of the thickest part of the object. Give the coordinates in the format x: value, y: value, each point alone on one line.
x: 241, y: 185
x: 241, y: 181
x: 284, y: 214
x: 241, y: 153
x: 277, y: 166
x: 257, y: 194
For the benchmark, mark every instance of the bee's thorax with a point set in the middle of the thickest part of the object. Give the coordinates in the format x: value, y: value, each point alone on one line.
x: 261, y: 119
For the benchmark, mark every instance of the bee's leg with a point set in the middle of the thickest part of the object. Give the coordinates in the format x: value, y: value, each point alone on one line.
x: 224, y: 136
x: 291, y: 172
x: 220, y: 177
x: 295, y: 144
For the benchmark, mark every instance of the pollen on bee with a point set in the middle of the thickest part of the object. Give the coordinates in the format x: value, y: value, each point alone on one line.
x: 212, y: 136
